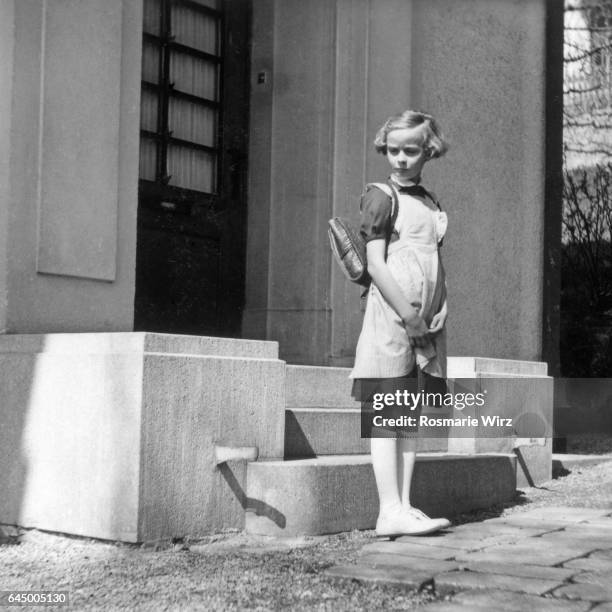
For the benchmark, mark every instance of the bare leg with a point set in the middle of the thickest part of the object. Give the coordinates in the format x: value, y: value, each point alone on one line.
x: 384, y: 462
x: 394, y: 520
x: 406, y: 450
x: 407, y: 456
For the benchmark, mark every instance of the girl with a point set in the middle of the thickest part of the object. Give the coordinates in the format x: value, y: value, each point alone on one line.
x: 403, y: 326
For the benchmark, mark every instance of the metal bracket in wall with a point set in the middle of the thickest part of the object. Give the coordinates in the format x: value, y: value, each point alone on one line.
x: 223, y: 454
x: 518, y: 442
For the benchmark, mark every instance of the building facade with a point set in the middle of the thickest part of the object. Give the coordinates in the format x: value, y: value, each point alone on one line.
x: 171, y: 165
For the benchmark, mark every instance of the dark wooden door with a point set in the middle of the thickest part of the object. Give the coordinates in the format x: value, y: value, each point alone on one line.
x: 192, y: 192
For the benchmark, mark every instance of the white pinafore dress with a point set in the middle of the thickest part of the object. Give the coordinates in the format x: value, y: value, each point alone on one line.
x: 383, y: 349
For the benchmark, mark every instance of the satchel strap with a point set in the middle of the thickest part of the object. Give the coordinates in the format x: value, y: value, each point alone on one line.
x: 391, y: 191
x: 434, y: 198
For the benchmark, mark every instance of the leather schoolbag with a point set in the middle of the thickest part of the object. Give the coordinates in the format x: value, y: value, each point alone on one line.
x: 348, y: 245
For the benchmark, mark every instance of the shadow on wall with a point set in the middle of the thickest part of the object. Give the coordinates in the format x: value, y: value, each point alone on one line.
x: 250, y: 504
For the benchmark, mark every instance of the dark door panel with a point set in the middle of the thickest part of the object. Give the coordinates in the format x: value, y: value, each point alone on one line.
x: 192, y: 198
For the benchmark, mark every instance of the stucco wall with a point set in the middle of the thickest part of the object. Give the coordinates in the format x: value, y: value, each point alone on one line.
x: 71, y: 209
x: 7, y: 8
x: 334, y: 72
x: 290, y: 174
x: 324, y: 75
x: 479, y: 65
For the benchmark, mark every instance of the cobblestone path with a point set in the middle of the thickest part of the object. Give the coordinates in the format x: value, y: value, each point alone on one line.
x: 557, y: 559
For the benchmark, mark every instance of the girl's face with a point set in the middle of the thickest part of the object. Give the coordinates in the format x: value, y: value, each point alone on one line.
x: 405, y: 152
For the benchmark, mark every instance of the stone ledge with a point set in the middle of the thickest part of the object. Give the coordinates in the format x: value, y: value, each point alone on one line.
x: 467, y: 367
x: 137, y: 342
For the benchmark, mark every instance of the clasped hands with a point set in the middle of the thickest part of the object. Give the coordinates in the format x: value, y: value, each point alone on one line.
x: 417, y: 330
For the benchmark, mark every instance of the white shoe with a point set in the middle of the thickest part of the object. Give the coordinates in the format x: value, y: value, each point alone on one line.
x: 443, y: 522
x: 405, y: 523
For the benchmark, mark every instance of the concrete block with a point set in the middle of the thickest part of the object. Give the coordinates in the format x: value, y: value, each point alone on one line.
x: 100, y: 437
x: 311, y: 496
x: 191, y: 404
x: 515, y: 389
x: 338, y: 493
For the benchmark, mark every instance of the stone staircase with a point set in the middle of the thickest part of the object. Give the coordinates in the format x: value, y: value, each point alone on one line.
x: 321, y: 416
x: 325, y: 483
x: 179, y: 417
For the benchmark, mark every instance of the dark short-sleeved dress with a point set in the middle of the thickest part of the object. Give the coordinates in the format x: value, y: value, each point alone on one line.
x: 383, y: 349
x: 384, y: 359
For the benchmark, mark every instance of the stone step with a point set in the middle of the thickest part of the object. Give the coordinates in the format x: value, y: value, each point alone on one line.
x: 469, y: 367
x: 319, y: 387
x: 337, y: 493
x: 323, y: 431
x: 310, y: 432
x: 330, y: 387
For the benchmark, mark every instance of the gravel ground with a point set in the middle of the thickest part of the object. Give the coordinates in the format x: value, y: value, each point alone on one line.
x: 235, y: 572
x: 238, y: 572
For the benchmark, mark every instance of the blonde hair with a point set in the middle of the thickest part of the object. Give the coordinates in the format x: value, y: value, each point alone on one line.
x: 434, y: 143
